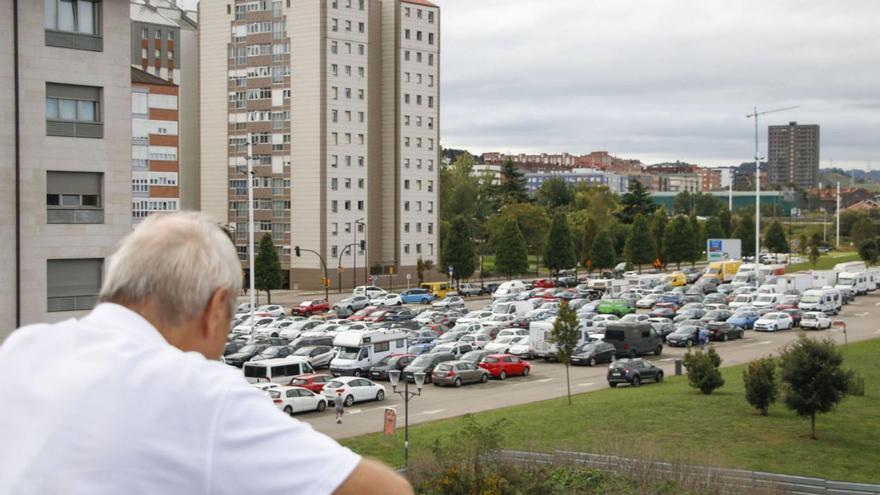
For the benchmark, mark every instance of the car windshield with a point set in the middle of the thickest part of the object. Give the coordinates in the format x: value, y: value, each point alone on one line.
x: 248, y: 349
x: 270, y: 352
x: 303, y: 351
x: 306, y: 303
x: 471, y: 356
x: 422, y: 361
x: 810, y: 316
x: 504, y: 340
x: 743, y: 298
x: 299, y: 381
x: 274, y: 394
x: 385, y: 360
x: 252, y: 371
x: 443, y: 367
x: 810, y: 298
x: 348, y: 353
x: 588, y: 347
x: 686, y: 330
x: 333, y: 384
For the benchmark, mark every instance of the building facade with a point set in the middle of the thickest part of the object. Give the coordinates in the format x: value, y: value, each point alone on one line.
x: 338, y: 103
x: 616, y: 183
x: 793, y: 155
x: 66, y: 155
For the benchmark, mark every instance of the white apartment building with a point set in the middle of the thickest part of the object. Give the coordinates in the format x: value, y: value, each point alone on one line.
x: 65, y: 173
x: 339, y: 100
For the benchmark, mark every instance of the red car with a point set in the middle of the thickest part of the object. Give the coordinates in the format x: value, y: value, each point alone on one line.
x: 503, y: 365
x: 363, y: 314
x: 315, y: 383
x: 307, y: 308
x: 544, y: 283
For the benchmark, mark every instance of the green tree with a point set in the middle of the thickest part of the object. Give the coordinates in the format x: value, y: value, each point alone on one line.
x: 634, y: 202
x: 658, y: 230
x: 814, y: 249
x: 713, y: 229
x: 703, y: 370
x: 726, y: 223
x: 803, y: 244
x: 862, y: 230
x: 559, y: 249
x: 868, y: 251
x: 554, y: 193
x: 513, y: 183
x: 699, y: 240
x: 459, y: 250
x: 678, y: 241
x: 532, y: 220
x: 600, y: 201
x: 639, y: 249
x: 267, y: 267
x: 603, y: 255
x: 849, y: 218
x: 591, y: 230
x: 565, y: 336
x: 762, y: 387
x: 774, y: 238
x: 420, y: 270
x: 511, y: 255
x: 814, y: 379
x: 706, y: 204
x: 745, y: 232
x: 682, y: 204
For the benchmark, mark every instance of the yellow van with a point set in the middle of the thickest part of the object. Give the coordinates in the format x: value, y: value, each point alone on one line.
x: 439, y: 289
x: 676, y: 279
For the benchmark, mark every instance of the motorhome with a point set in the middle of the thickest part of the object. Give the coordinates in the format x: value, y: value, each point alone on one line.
x: 873, y: 278
x: 357, y: 350
x: 854, y: 281
x: 539, y: 338
x: 826, y: 300
x: 822, y: 278
x: 850, y: 266
x: 794, y: 282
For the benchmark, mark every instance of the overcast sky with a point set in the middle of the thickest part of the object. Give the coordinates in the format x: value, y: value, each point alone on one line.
x: 659, y: 80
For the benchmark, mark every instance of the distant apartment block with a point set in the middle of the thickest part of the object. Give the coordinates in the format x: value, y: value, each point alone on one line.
x: 71, y: 163
x: 710, y: 179
x: 793, y: 155
x: 616, y: 183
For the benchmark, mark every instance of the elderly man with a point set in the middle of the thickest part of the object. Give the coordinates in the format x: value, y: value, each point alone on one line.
x: 131, y: 398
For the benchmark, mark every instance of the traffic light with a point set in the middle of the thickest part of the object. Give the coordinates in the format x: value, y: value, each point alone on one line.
x: 296, y: 251
x: 363, y: 245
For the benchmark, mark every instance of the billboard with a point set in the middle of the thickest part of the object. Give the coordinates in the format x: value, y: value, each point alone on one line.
x: 723, y: 249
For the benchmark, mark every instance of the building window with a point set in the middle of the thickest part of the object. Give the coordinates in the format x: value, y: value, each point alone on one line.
x: 170, y: 35
x: 361, y: 205
x: 406, y: 249
x: 73, y: 284
x: 145, y: 32
x: 74, y: 197
x: 73, y: 24
x: 73, y: 111
x: 406, y: 184
x: 334, y: 251
x: 406, y: 33
x: 406, y: 227
x: 334, y: 206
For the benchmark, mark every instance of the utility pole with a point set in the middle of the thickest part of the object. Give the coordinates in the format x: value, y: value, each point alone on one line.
x: 838, y: 215
x: 250, y: 189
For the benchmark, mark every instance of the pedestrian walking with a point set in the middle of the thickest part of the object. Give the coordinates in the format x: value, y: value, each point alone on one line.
x: 340, y: 407
x: 704, y: 337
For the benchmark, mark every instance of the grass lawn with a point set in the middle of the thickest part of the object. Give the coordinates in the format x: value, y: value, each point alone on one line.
x: 826, y: 261
x: 673, y: 422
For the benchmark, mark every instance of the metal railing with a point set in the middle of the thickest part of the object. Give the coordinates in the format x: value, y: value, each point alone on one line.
x: 71, y: 303
x: 73, y: 215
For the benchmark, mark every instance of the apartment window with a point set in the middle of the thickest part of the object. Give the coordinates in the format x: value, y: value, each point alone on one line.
x: 418, y: 36
x: 334, y: 228
x: 419, y: 227
x: 430, y: 249
x: 73, y: 284
x: 419, y: 57
x: 145, y: 32
x: 406, y: 249
x: 406, y: 206
x: 347, y: 138
x: 348, y: 227
x: 347, y: 205
x: 418, y: 142
x: 418, y: 120
x: 158, y: 34
x: 335, y: 4
x: 406, y: 120
x: 348, y: 183
x: 73, y: 24
x: 334, y: 161
x: 418, y: 206
x: 419, y: 184
x: 406, y: 162
x: 430, y: 59
x: 360, y: 161
x: 406, y: 227
x: 418, y: 99
x: 334, y: 25
x: 419, y: 163
x: 361, y: 207
x: 430, y: 102
x: 348, y: 25
x: 419, y: 78
x: 334, y: 137
x: 406, y: 33
x: 406, y: 184
x: 430, y: 165
x: 430, y: 122
x: 335, y: 92
x: 430, y: 228
x: 334, y: 206
x: 419, y: 13
x: 406, y: 76
x: 334, y: 184
x: 361, y: 4
x: 360, y: 94
x: 430, y: 143
x: 360, y: 49
x: 361, y: 27
x: 406, y: 98
x: 334, y: 251
x: 334, y: 47
x: 170, y: 35
x: 360, y: 139
x: 430, y: 186
x: 347, y: 70
x: 418, y: 249
x: 348, y: 115
x: 348, y: 48
x: 360, y: 116
x: 347, y: 160
x: 348, y: 93
x: 430, y: 207
x: 334, y: 69
x: 73, y: 111
x: 361, y: 183
x: 430, y: 17
x: 406, y: 141
x: 361, y: 72
x: 74, y: 197
x: 406, y: 55
x: 430, y: 81
x: 334, y: 115
x: 430, y: 38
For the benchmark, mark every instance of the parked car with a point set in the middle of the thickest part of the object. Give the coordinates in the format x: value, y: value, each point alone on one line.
x: 618, y: 307
x: 270, y: 310
x: 632, y: 339
x: 318, y: 355
x: 449, y: 302
x: 663, y: 310
x: 244, y: 354
x: 310, y: 307
x: 502, y: 343
x: 388, y: 299
x: 475, y: 356
x: 233, y: 347
x: 633, y: 372
x: 716, y: 315
x: 379, y: 371
x: 313, y: 382
x: 468, y: 289
x: 796, y: 316
x: 458, y: 373
x: 744, y: 318
x: 272, y: 352
x: 417, y: 296
x: 477, y: 341
x: 292, y: 400
x: 774, y: 321
x: 683, y: 336
x: 592, y: 353
x: 723, y: 331
x: 503, y: 365
x: 370, y: 291
x: 647, y: 302
x: 457, y: 348
x: 426, y: 363
x: 354, y: 389
x: 351, y: 304
x: 816, y: 320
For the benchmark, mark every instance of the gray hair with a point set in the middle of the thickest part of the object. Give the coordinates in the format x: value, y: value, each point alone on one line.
x: 176, y: 261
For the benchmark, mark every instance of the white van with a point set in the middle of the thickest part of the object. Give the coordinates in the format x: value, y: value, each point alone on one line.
x: 856, y: 282
x: 767, y: 300
x: 279, y: 370
x: 742, y: 300
x: 827, y: 301
x: 873, y: 278
x: 357, y: 350
x: 515, y: 308
x: 508, y: 289
x: 368, y: 290
x: 539, y: 335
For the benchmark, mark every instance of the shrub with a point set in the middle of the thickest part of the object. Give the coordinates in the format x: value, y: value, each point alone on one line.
x: 761, y: 384
x: 702, y: 369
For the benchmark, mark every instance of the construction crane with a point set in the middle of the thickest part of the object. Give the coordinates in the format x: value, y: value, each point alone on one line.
x: 755, y: 115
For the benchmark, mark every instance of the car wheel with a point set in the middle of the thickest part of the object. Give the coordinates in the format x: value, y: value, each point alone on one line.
x: 612, y: 384
x: 425, y: 301
x: 526, y: 371
x: 349, y: 400
x: 321, y: 406
x: 400, y: 303
x: 380, y: 395
x: 274, y: 334
x: 288, y: 410
x: 659, y: 377
x: 484, y: 378
x: 658, y: 350
x: 775, y: 327
x: 457, y: 382
x: 502, y: 375
x: 724, y: 338
x: 592, y: 361
x: 357, y: 373
x: 635, y: 381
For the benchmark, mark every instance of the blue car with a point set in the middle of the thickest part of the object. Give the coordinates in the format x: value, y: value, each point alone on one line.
x: 417, y: 296
x: 744, y: 319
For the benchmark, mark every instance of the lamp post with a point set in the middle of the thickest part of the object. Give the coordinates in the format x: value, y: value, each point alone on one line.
x: 360, y: 221
x: 354, y: 257
x: 326, y: 281
x: 339, y: 265
x: 250, y: 190
x: 406, y: 395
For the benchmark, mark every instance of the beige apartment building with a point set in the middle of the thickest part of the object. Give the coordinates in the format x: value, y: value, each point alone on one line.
x: 338, y: 101
x: 65, y: 154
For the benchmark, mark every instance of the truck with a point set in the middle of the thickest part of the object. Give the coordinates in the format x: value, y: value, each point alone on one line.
x: 722, y: 271
x: 357, y: 350
x: 794, y: 283
x: 822, y: 278
x: 539, y: 338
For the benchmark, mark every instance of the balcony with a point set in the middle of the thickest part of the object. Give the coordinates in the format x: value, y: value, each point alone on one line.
x: 71, y: 303
x: 75, y: 216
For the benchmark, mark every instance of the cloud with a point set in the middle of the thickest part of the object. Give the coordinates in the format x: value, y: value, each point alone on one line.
x: 660, y: 80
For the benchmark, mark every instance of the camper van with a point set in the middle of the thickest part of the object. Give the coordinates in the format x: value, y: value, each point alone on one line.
x: 823, y: 278
x: 357, y: 350
x: 794, y: 282
x: 508, y: 289
x: 826, y: 300
x: 279, y: 370
x: 850, y: 266
x: 539, y: 338
x: 855, y: 281
x: 873, y: 278
x: 515, y: 308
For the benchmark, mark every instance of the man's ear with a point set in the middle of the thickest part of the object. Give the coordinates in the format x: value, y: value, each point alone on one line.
x: 217, y: 319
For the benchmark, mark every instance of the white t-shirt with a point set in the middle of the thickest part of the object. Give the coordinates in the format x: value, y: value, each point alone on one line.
x: 105, y: 405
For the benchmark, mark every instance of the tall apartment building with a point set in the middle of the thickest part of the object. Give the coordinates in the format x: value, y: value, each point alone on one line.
x: 65, y: 173
x: 793, y: 155
x: 338, y: 101
x: 164, y: 43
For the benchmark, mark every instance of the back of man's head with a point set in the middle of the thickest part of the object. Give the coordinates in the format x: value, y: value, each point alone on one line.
x: 175, y: 263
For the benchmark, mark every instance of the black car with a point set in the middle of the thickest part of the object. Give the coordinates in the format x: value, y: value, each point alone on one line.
x: 272, y: 352
x: 716, y: 315
x: 399, y: 314
x: 426, y: 364
x: 719, y: 330
x: 633, y: 371
x: 683, y: 336
x: 662, y: 329
x: 490, y: 288
x: 475, y: 356
x: 233, y: 347
x: 379, y: 371
x: 245, y: 354
x: 592, y: 353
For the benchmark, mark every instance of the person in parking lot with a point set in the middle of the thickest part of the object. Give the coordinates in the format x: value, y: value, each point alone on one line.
x: 339, y: 406
x: 703, y: 335
x: 134, y: 400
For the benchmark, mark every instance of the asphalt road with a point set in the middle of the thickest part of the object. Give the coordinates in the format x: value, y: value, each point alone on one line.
x: 547, y: 379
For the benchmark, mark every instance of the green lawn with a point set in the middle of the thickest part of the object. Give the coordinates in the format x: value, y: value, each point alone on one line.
x: 672, y: 422
x: 826, y: 261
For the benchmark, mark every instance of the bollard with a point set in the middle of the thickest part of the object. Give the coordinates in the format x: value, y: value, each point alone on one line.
x: 678, y: 367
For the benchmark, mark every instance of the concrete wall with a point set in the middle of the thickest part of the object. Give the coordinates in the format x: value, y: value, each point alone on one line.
x: 213, y: 40
x: 188, y: 103
x: 7, y: 174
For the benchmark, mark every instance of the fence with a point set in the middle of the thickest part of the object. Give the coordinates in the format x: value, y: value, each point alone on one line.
x: 734, y: 480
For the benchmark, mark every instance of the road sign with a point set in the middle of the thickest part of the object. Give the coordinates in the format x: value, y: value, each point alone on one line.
x: 390, y: 270
x: 449, y: 270
x: 409, y: 276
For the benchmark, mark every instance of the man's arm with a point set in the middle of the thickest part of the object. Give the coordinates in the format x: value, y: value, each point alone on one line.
x: 371, y: 477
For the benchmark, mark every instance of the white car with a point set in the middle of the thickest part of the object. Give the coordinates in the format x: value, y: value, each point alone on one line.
x: 647, y: 302
x: 502, y: 344
x: 520, y: 347
x: 296, y: 328
x: 270, y: 310
x: 354, y: 389
x: 248, y: 326
x: 513, y: 332
x: 317, y: 355
x: 474, y: 316
x: 774, y: 321
x: 815, y: 319
x: 477, y: 341
x: 449, y: 302
x: 368, y: 290
x: 635, y: 317
x: 292, y: 400
x: 389, y: 299
x: 600, y: 321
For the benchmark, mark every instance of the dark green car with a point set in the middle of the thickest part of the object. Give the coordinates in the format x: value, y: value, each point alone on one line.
x: 618, y: 307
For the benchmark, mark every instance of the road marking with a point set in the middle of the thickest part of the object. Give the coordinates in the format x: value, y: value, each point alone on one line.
x: 666, y: 359
x: 585, y: 384
x: 759, y: 343
x: 436, y: 411
x: 862, y: 314
x: 544, y: 380
x: 354, y: 411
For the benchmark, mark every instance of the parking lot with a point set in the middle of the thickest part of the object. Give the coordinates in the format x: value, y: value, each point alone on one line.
x: 547, y: 379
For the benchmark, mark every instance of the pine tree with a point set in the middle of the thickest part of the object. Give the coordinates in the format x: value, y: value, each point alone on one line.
x: 745, y: 232
x: 774, y: 238
x: 267, y: 267
x: 459, y: 249
x: 634, y: 202
x: 513, y: 183
x: 712, y: 229
x: 639, y: 249
x: 565, y: 336
x: 658, y: 230
x: 559, y: 249
x: 678, y: 241
x: 699, y: 240
x: 591, y: 230
x: 603, y: 255
x: 554, y: 193
x: 511, y: 255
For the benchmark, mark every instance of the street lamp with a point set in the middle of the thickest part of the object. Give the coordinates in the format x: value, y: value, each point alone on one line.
x: 360, y: 221
x: 406, y: 395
